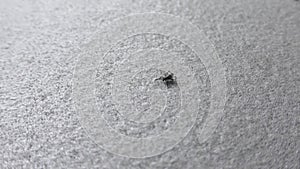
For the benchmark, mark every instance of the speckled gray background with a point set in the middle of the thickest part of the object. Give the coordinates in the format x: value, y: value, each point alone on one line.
x: 258, y: 42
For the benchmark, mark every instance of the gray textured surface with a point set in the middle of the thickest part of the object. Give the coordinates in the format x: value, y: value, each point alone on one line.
x: 257, y: 41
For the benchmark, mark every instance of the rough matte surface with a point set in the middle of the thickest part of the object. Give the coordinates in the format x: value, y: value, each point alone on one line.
x: 258, y: 42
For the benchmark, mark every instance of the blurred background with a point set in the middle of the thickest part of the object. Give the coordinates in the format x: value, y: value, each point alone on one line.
x: 258, y: 42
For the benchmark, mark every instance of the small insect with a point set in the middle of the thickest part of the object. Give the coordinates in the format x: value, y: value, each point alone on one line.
x: 169, y: 79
